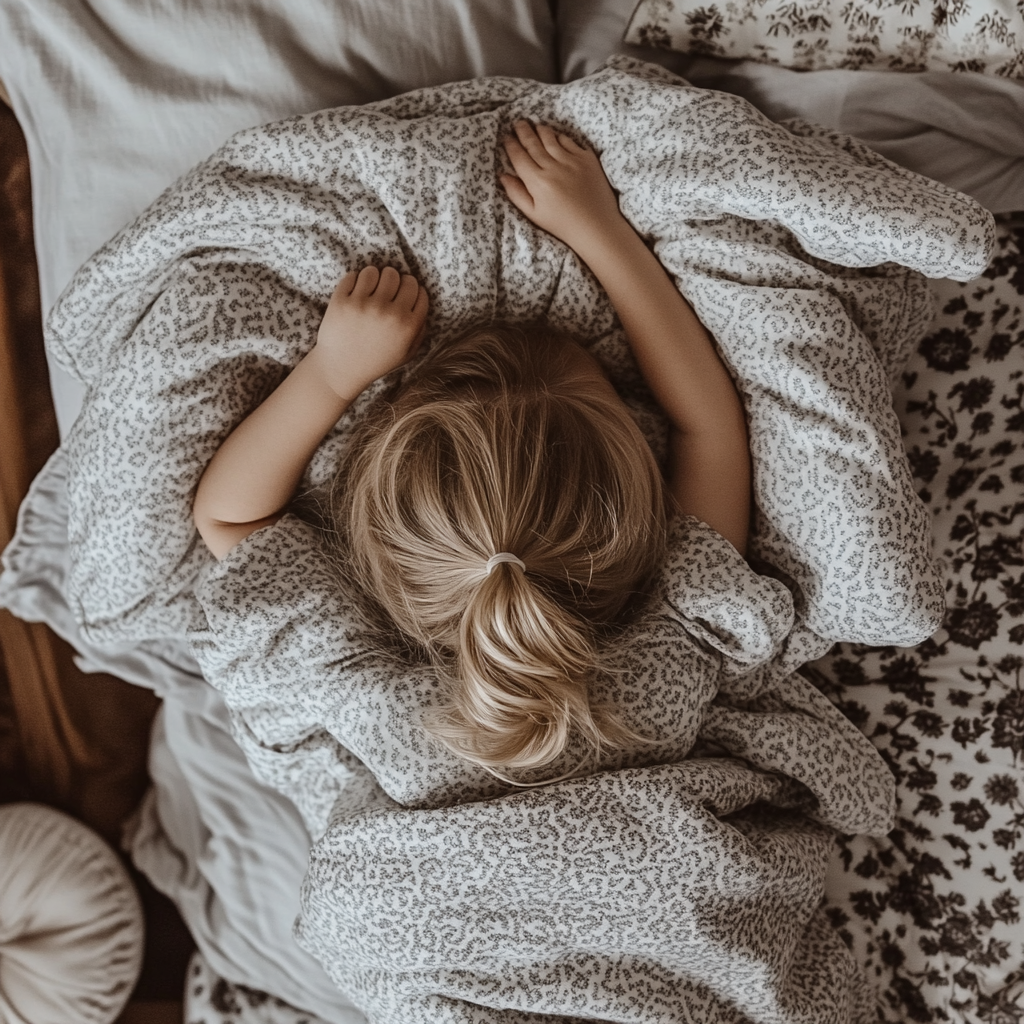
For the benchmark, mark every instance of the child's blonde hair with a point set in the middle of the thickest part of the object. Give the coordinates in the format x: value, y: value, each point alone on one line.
x: 492, y: 446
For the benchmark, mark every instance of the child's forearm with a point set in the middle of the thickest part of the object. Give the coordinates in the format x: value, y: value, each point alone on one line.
x: 253, y: 475
x: 673, y: 349
x: 712, y: 482
x: 561, y: 186
x: 374, y: 321
x: 709, y: 472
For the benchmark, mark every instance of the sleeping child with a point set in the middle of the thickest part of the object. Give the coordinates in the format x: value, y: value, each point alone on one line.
x: 500, y: 506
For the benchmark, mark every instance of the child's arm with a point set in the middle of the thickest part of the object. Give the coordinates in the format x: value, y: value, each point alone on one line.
x: 562, y: 188
x: 374, y: 322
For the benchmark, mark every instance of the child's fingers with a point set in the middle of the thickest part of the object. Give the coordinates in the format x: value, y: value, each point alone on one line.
x: 388, y: 285
x: 407, y: 292
x: 344, y: 287
x: 521, y: 160
x: 549, y: 140
x: 421, y: 308
x: 516, y: 191
x: 418, y: 340
x: 571, y: 145
x: 531, y: 142
x: 419, y: 312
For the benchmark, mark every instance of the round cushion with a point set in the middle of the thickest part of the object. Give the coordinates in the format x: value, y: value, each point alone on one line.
x: 71, y: 926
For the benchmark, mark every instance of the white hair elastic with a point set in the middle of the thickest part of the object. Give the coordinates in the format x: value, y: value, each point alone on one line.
x: 503, y: 556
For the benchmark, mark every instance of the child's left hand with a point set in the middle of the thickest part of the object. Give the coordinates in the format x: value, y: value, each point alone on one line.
x: 561, y: 186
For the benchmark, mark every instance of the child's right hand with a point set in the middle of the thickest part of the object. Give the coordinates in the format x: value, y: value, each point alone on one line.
x: 374, y: 322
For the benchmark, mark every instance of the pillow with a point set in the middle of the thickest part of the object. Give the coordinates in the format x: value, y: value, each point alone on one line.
x: 186, y: 319
x: 118, y: 99
x: 945, y: 35
x: 71, y: 926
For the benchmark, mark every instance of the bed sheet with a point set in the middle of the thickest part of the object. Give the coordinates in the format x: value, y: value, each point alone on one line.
x: 933, y: 910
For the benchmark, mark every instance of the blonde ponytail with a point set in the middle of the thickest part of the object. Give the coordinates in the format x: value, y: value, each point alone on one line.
x: 520, y: 661
x: 490, y: 447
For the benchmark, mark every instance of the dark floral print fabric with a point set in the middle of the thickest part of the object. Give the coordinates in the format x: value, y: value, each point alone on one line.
x: 211, y: 999
x: 934, y: 910
x: 943, y: 35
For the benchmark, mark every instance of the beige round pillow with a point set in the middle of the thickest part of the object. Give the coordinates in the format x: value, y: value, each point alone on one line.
x: 71, y: 927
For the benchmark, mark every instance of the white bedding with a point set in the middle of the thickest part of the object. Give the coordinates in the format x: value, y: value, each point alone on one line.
x: 162, y: 325
x: 103, y: 145
x: 117, y: 98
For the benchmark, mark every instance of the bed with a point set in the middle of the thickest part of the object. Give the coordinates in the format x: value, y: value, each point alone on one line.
x: 930, y: 910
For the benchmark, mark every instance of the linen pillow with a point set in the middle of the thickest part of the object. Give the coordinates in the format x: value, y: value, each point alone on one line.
x: 944, y: 35
x: 117, y: 98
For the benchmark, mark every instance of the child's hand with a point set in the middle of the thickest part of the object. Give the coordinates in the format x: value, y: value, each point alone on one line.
x: 374, y: 322
x: 560, y: 186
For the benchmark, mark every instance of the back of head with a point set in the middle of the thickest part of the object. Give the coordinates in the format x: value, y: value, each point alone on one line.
x: 493, y: 446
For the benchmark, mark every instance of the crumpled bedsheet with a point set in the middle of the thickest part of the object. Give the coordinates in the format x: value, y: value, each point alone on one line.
x: 683, y: 880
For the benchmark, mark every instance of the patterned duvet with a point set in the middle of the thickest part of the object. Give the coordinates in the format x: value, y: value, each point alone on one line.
x: 683, y: 881
x: 932, y: 911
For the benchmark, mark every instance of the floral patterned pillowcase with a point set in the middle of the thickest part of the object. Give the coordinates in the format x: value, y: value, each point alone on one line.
x: 934, y: 35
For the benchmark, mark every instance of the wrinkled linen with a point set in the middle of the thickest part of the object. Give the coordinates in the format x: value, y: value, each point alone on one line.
x: 682, y: 880
x: 662, y: 887
x: 190, y: 316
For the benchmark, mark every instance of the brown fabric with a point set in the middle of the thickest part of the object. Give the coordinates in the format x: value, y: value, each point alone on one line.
x: 75, y: 740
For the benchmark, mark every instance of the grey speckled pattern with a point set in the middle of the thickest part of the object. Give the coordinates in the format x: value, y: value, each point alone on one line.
x: 186, y: 319
x: 662, y: 890
x: 644, y: 893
